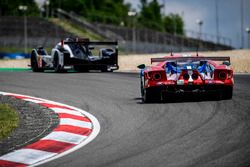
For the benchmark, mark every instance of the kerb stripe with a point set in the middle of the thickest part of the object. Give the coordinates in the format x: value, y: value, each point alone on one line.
x: 5, y: 163
x: 27, y: 156
x: 74, y: 129
x: 80, y: 118
x: 49, y: 105
x: 74, y: 122
x: 65, y: 137
x: 50, y: 146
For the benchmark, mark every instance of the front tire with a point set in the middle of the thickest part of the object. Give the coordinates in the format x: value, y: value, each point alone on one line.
x: 34, y: 64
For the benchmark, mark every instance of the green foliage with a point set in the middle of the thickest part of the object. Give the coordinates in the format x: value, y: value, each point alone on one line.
x: 150, y: 15
x: 11, y: 8
x: 74, y: 29
x: 8, y: 120
x: 173, y: 24
x: 116, y: 12
x: 104, y: 11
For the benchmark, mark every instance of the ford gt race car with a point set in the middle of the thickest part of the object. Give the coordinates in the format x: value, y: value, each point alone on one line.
x: 79, y: 54
x: 178, y: 75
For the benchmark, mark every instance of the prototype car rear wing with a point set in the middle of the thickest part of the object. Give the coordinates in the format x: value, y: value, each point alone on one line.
x: 175, y: 59
x: 92, y: 42
x: 87, y: 42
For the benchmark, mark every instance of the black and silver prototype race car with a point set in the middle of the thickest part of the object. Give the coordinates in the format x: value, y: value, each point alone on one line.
x: 79, y: 54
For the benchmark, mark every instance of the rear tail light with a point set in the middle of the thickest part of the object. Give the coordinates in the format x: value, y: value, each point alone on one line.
x: 222, y: 75
x: 194, y: 76
x: 157, y: 76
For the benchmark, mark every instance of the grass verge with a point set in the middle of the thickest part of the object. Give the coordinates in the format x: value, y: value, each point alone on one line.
x: 10, y: 49
x: 15, y: 69
x: 8, y: 120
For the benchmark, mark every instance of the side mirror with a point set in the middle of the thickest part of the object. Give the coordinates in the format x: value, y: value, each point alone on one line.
x: 141, y: 66
x: 226, y: 63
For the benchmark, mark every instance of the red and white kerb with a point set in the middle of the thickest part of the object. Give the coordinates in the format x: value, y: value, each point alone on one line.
x: 76, y: 128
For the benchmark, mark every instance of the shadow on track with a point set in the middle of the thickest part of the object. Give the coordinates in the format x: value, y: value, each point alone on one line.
x: 183, y: 98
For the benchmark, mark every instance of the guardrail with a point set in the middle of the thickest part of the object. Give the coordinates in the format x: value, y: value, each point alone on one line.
x: 144, y: 40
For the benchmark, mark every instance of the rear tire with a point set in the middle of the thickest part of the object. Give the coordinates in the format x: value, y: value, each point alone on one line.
x: 104, y: 69
x: 227, y: 93
x: 57, y: 66
x: 146, y: 97
x: 80, y: 68
x: 150, y: 95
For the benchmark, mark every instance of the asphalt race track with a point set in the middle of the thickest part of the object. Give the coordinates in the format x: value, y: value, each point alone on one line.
x: 184, y: 133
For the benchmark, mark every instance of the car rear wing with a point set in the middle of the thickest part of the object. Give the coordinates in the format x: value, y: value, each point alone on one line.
x: 175, y: 59
x: 87, y: 42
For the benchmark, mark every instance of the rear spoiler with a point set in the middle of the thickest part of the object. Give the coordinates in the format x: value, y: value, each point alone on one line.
x: 93, y: 42
x: 174, y: 59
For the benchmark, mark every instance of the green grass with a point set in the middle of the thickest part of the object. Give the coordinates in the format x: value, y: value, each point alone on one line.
x: 8, y: 120
x: 15, y: 69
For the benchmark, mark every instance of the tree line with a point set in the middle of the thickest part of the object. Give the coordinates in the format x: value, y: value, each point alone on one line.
x: 106, y: 11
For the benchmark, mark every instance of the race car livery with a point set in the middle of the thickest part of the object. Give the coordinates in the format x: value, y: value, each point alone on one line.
x: 173, y: 75
x: 79, y: 54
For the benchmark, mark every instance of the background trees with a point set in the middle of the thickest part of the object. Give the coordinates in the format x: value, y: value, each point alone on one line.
x: 11, y: 7
x: 173, y: 24
x: 150, y: 15
x: 106, y: 11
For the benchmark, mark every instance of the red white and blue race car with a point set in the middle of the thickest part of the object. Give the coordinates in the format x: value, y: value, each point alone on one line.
x: 174, y: 75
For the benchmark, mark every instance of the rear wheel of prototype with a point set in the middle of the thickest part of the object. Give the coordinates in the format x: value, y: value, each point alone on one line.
x: 56, y: 64
x: 104, y: 69
x: 79, y: 68
x: 34, y: 65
